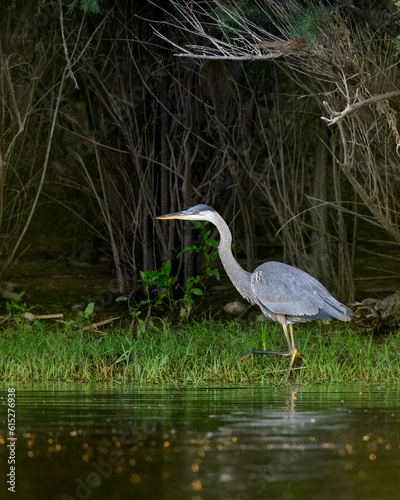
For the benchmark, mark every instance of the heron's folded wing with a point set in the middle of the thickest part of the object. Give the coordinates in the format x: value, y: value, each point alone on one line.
x: 283, y: 289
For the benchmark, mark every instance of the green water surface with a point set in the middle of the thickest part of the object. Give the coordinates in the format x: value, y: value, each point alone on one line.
x: 94, y: 441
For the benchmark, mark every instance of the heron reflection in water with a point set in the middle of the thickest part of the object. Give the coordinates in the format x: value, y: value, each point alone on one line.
x: 284, y: 293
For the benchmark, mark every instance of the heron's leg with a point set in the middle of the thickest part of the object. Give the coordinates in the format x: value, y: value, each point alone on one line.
x: 282, y: 321
x: 291, y: 336
x: 292, y: 351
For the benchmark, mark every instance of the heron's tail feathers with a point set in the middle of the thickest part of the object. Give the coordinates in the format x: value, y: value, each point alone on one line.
x: 335, y: 309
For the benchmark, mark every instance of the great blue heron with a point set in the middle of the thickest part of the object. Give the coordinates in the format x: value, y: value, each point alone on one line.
x: 284, y: 293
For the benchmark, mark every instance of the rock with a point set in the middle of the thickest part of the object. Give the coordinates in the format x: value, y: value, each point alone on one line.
x: 235, y: 308
x: 9, y: 295
x: 7, y: 286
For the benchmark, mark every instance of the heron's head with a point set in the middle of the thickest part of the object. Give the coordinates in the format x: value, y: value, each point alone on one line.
x: 198, y: 212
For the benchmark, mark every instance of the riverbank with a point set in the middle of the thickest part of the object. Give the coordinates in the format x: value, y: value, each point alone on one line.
x: 195, y: 353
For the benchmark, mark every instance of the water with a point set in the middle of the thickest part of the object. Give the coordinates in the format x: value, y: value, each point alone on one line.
x: 92, y: 441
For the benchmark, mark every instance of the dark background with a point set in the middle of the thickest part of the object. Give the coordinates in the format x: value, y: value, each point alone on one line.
x: 103, y: 127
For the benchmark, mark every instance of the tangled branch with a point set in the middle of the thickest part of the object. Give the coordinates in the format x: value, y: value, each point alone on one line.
x: 247, y: 41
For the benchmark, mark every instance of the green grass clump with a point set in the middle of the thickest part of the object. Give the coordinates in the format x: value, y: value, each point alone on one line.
x: 199, y: 352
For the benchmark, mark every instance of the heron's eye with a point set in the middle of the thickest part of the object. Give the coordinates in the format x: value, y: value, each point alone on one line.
x: 197, y: 211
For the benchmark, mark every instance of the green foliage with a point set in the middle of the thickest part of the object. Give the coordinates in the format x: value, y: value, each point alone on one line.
x: 187, y: 303
x: 311, y: 20
x: 307, y: 18
x: 165, y: 283
x: 162, y: 279
x: 209, y: 250
x: 396, y: 41
x: 81, y: 320
x: 201, y: 352
x: 242, y: 11
x: 88, y: 311
x: 87, y: 6
x: 136, y: 311
x: 16, y: 309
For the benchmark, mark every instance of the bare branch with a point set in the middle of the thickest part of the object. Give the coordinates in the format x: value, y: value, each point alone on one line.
x: 43, y: 174
x: 228, y: 58
x: 352, y: 107
x: 247, y: 40
x: 67, y: 58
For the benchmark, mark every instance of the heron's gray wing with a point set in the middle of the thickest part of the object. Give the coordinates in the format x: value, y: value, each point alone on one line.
x: 283, y: 289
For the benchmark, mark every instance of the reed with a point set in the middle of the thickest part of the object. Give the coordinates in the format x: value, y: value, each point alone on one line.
x: 202, y: 352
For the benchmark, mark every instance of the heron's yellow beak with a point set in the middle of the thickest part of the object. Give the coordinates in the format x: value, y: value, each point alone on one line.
x: 175, y: 215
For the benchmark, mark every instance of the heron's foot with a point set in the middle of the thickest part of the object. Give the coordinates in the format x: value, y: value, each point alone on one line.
x: 293, y: 355
x: 245, y: 356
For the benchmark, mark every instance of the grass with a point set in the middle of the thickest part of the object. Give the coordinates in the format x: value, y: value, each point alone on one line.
x: 195, y: 353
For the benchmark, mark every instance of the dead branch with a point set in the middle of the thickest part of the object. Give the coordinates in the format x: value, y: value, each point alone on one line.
x: 352, y: 107
x: 247, y: 42
x: 70, y: 73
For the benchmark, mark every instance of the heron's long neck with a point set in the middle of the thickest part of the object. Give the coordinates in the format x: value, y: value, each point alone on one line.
x: 239, y: 277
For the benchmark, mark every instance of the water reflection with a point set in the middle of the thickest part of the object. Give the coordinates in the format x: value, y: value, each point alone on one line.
x: 119, y: 442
